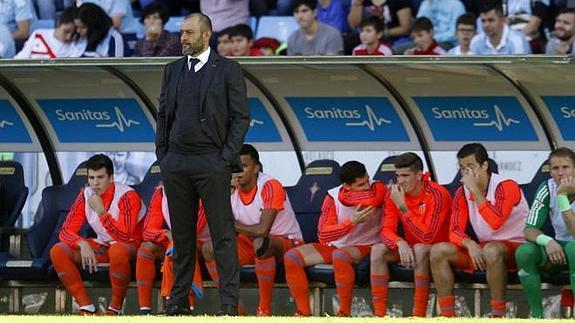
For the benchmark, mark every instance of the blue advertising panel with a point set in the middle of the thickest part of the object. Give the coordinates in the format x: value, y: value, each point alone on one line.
x: 12, y: 129
x: 98, y: 120
x: 562, y: 109
x: 475, y: 118
x: 348, y: 119
x: 262, y: 127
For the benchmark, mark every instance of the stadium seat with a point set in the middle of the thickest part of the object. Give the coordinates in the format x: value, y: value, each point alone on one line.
x: 43, y: 24
x: 306, y: 198
x: 278, y: 27
x: 386, y: 171
x: 253, y: 23
x: 13, y: 192
x: 51, y: 214
x: 174, y: 24
x: 530, y: 188
x: 456, y: 182
x: 149, y: 183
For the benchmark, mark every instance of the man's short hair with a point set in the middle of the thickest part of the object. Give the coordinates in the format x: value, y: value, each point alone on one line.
x: 422, y: 24
x: 410, y: 160
x: 308, y: 3
x: 351, y: 171
x: 156, y: 7
x: 566, y: 11
x: 100, y: 161
x: 242, y: 30
x: 203, y: 20
x: 251, y: 151
x: 226, y: 31
x: 374, y: 21
x: 563, y: 152
x: 475, y: 149
x: 468, y: 19
x: 68, y: 16
x: 487, y: 5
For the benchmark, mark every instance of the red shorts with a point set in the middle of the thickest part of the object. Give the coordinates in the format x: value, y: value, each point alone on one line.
x: 464, y: 262
x: 246, y: 251
x: 326, y: 251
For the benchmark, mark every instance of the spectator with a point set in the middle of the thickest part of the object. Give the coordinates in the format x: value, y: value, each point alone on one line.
x: 564, y: 41
x: 396, y: 15
x: 527, y: 16
x: 313, y: 37
x: 47, y: 8
x: 224, y: 42
x: 103, y: 40
x: 422, y: 36
x: 121, y: 13
x: 370, y: 35
x: 242, y: 38
x: 268, y: 46
x: 465, y: 30
x: 333, y: 13
x: 158, y: 42
x: 55, y: 42
x: 7, y: 48
x: 497, y: 38
x: 18, y: 16
x: 443, y: 15
x: 226, y: 13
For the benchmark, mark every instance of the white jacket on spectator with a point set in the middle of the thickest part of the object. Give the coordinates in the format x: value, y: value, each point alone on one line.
x: 43, y: 44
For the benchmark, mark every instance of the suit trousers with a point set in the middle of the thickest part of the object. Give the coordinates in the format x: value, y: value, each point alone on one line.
x: 187, y: 179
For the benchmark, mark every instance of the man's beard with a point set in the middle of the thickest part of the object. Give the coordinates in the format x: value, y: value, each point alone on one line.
x: 193, y: 49
x: 566, y: 36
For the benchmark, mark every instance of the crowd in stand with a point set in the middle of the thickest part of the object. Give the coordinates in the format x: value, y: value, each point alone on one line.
x: 123, y: 28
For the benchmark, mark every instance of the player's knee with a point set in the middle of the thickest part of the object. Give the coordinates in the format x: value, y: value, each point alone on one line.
x: 378, y: 253
x: 441, y: 251
x: 262, y: 248
x: 494, y: 252
x: 341, y: 255
x: 570, y: 251
x: 148, y: 246
x: 58, y: 252
x: 422, y: 251
x: 526, y: 253
x: 120, y: 253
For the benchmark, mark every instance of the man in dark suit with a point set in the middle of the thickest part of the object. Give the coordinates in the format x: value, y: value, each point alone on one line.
x: 202, y: 122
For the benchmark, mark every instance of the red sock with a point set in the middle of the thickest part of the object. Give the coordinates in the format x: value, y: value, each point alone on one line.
x: 120, y: 255
x: 344, y: 279
x: 61, y: 255
x: 420, y: 296
x: 211, y: 265
x: 297, y: 280
x: 497, y: 308
x: 447, y: 306
x: 379, y: 292
x: 197, y: 282
x: 566, y: 298
x: 266, y: 273
x: 145, y: 275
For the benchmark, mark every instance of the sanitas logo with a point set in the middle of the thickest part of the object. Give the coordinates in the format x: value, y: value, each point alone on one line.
x: 255, y: 122
x: 499, y: 122
x: 568, y: 113
x: 371, y: 122
x: 120, y: 122
x: 4, y: 123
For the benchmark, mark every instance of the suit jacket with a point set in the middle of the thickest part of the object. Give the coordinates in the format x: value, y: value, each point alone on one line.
x: 224, y: 114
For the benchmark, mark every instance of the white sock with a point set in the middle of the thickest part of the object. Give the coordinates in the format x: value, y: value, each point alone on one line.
x: 89, y: 308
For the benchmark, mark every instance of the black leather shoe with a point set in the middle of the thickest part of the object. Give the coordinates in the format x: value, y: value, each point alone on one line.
x: 230, y: 310
x: 177, y: 310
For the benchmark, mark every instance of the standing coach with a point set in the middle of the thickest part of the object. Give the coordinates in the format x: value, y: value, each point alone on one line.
x: 202, y: 121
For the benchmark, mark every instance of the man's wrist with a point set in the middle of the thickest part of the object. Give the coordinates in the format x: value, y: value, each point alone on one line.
x: 563, y: 202
x: 543, y: 240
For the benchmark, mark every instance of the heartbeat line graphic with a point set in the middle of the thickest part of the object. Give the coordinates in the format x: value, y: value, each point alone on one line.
x: 254, y: 122
x: 500, y: 121
x: 121, y: 122
x: 372, y: 120
x: 4, y: 123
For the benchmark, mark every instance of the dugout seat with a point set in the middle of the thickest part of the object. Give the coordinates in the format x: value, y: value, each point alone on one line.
x: 43, y: 235
x: 13, y: 192
x: 149, y: 183
x: 386, y: 171
x: 529, y: 189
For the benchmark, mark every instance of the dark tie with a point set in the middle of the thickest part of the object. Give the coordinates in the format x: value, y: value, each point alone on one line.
x: 193, y: 62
